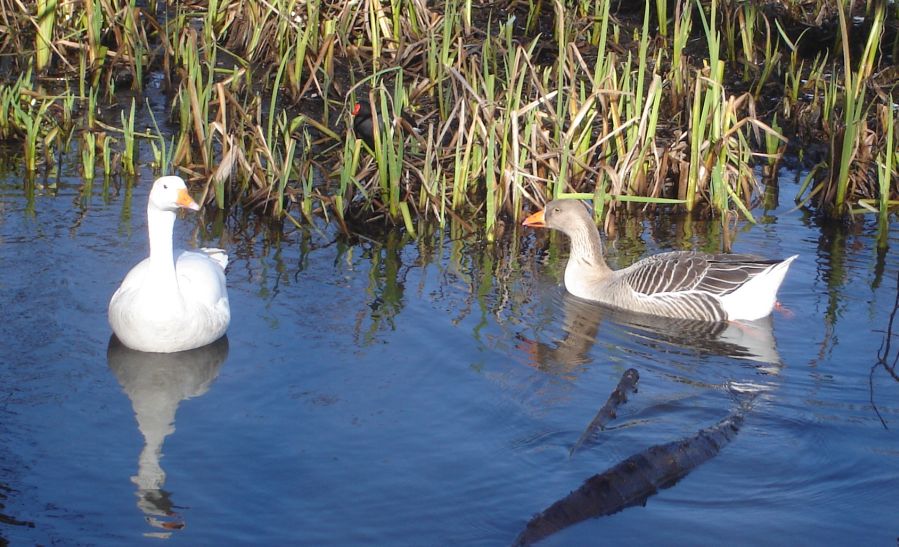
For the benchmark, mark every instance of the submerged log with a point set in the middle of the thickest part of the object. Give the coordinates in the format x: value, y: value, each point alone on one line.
x: 632, y: 481
x: 628, y: 383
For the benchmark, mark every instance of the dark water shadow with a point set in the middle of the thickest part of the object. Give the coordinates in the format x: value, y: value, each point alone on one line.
x: 8, y: 520
x: 634, y: 480
x: 156, y: 383
x: 582, y: 319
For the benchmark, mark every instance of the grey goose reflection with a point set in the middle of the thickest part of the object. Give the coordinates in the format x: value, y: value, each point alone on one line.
x: 677, y: 284
x: 584, y: 324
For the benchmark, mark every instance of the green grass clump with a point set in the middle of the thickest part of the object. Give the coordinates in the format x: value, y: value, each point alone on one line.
x: 481, y: 109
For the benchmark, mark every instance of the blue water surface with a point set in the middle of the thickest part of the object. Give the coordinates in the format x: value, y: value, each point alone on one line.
x: 428, y: 391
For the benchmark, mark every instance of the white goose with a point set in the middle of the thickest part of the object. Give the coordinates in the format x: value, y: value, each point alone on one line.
x: 171, y: 301
x: 680, y: 284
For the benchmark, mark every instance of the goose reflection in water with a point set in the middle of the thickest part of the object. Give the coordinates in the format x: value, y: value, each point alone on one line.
x: 156, y: 383
x: 750, y: 340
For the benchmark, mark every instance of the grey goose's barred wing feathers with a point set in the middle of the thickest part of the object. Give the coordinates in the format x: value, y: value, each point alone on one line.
x: 685, y: 305
x: 679, y: 271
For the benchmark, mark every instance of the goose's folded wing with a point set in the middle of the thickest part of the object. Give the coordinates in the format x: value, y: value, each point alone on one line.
x: 687, y: 271
x: 218, y: 255
x: 201, y: 278
x: 726, y: 273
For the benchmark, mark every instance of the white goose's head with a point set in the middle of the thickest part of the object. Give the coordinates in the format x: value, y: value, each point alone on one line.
x: 170, y: 194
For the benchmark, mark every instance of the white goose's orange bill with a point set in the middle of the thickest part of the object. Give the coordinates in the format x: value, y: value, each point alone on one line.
x: 184, y: 200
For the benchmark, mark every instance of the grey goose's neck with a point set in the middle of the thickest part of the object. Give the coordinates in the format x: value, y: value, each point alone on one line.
x: 586, y: 246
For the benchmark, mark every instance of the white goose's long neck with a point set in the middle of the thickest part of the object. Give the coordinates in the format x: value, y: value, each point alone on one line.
x: 160, y: 225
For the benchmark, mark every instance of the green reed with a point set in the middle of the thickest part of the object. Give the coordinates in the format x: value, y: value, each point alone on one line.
x: 392, y: 146
x: 46, y: 21
x: 853, y: 102
x: 600, y: 27
x: 886, y: 162
x: 128, y: 136
x: 93, y: 24
x: 637, y: 137
x: 349, y: 165
x: 12, y: 116
x: 662, y: 17
x: 162, y: 153
x: 88, y: 155
x: 769, y: 63
x: 282, y: 171
x: 297, y: 54
x: 774, y: 146
x: 445, y: 57
x: 683, y: 25
x: 105, y: 142
x: 889, y: 160
x: 30, y: 120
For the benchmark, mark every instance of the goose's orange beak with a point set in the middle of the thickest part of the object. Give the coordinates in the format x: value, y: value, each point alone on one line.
x: 536, y: 220
x: 185, y: 201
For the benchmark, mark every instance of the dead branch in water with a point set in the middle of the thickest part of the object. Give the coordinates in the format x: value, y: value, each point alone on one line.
x: 628, y: 383
x: 883, y: 355
x: 633, y: 480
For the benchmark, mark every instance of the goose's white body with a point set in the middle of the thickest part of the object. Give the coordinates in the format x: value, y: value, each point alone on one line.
x: 171, y: 301
x: 679, y: 284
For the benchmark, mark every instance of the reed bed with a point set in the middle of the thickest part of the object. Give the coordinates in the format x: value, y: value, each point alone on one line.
x: 476, y: 109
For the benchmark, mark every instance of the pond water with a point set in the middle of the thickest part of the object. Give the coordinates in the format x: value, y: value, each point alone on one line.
x: 429, y: 391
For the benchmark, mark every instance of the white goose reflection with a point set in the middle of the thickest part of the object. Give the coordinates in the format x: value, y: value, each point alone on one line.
x: 750, y: 340
x: 156, y: 383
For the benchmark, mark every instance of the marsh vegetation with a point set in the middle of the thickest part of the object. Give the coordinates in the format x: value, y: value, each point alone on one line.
x: 477, y: 108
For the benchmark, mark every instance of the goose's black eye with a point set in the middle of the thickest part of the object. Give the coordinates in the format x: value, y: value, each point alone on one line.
x: 556, y: 209
x: 165, y: 186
